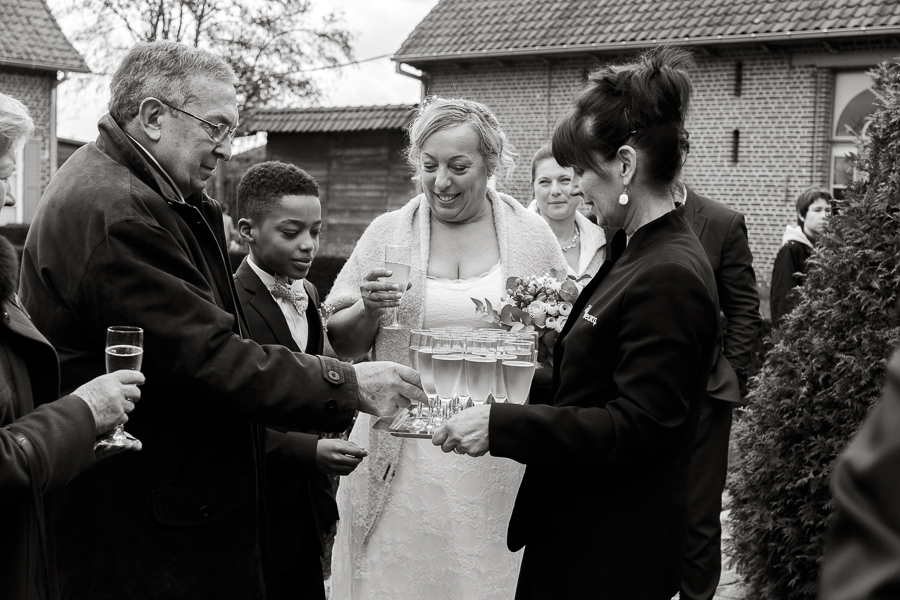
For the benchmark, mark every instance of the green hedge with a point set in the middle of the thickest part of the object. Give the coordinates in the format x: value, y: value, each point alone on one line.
x: 823, y: 371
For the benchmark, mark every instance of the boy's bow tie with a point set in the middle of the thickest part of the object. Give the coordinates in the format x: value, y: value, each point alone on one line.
x: 282, y: 289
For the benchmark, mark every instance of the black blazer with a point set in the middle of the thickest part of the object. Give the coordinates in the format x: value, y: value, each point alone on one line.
x: 300, y: 499
x: 602, y: 507
x: 723, y: 235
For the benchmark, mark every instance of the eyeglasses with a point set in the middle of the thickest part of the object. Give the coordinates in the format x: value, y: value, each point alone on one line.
x: 217, y: 131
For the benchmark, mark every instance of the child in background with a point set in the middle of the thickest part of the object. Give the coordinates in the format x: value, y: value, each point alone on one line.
x: 280, y: 219
x: 813, y: 211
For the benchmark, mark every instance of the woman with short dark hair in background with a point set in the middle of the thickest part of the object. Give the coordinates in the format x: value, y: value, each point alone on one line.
x: 582, y: 242
x: 602, y: 509
x: 813, y: 210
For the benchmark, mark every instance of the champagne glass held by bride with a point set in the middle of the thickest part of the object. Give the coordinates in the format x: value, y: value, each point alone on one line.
x: 397, y: 259
x: 124, y: 350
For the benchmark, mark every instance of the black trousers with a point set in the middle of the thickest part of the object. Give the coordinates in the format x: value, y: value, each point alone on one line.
x: 709, y: 464
x: 302, y: 580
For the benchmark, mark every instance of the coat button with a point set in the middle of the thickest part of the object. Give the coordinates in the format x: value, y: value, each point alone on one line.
x: 334, y: 375
x: 331, y: 405
x: 204, y: 512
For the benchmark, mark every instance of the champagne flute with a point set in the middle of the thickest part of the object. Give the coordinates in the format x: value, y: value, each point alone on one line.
x: 124, y: 350
x: 447, y: 370
x: 415, y: 340
x: 518, y: 370
x: 425, y: 363
x: 503, y: 352
x: 397, y: 259
x: 480, y: 368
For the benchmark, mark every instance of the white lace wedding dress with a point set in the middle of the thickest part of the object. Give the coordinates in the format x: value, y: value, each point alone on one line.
x: 442, y: 532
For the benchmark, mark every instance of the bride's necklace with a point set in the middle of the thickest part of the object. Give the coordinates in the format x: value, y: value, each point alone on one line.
x: 574, y: 241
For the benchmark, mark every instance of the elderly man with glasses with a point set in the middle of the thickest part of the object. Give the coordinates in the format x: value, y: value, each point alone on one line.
x: 125, y: 235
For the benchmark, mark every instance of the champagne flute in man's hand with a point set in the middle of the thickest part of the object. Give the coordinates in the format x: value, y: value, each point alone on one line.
x: 124, y: 350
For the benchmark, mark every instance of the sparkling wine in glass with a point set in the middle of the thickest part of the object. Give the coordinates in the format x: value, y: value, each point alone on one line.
x: 518, y: 369
x: 124, y: 350
x: 447, y: 366
x: 397, y: 259
x: 425, y: 363
x: 480, y: 368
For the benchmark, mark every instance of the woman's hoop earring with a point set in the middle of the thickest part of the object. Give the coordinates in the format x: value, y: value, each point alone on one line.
x: 623, y: 199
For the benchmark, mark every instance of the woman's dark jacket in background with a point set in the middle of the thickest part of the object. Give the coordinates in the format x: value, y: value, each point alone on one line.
x: 602, y: 508
x: 44, y: 444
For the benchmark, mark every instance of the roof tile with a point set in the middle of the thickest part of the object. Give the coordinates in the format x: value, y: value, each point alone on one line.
x: 456, y: 27
x: 328, y: 119
x: 31, y: 37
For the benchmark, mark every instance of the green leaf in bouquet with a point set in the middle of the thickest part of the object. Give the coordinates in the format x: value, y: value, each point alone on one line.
x: 506, y: 314
x: 568, y: 291
x: 511, y: 284
x: 479, y: 305
x: 490, y: 307
x: 488, y: 318
x: 542, y: 296
x: 521, y: 316
x: 518, y: 326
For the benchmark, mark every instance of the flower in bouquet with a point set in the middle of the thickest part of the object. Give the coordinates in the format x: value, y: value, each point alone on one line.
x: 534, y: 303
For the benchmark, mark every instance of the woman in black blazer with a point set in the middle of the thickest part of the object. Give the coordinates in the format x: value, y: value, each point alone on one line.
x: 602, y: 508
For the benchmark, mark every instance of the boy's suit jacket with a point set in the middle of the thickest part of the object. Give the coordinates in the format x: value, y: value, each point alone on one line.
x: 300, y: 499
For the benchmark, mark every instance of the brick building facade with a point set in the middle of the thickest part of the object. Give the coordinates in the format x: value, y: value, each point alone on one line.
x: 763, y: 118
x: 33, y: 53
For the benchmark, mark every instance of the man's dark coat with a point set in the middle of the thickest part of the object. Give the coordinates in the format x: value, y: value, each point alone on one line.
x: 299, y: 498
x: 112, y: 244
x: 723, y: 235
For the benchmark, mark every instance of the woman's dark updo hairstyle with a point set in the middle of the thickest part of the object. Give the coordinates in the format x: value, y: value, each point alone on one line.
x: 643, y: 104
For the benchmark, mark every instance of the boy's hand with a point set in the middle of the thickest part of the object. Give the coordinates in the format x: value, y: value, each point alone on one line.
x: 338, y: 457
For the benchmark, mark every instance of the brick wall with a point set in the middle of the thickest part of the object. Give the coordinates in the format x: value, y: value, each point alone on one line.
x: 783, y: 114
x: 34, y: 90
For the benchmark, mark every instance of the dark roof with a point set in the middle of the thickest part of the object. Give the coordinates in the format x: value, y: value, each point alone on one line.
x: 31, y: 38
x: 322, y: 119
x: 457, y: 29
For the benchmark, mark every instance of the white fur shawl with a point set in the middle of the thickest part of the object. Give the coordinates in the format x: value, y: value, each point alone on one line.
x: 527, y: 247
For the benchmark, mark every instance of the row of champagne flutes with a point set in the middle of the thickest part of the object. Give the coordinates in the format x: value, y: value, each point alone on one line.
x: 462, y: 367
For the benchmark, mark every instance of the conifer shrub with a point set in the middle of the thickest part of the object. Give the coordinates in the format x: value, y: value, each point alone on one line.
x: 823, y: 371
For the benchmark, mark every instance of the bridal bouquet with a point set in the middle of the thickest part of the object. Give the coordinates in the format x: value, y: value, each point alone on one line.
x: 533, y: 303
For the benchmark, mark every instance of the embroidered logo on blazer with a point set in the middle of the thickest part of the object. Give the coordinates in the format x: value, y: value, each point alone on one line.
x: 589, y: 318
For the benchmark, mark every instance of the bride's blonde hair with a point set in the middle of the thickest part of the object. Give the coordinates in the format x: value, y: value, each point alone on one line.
x: 437, y: 114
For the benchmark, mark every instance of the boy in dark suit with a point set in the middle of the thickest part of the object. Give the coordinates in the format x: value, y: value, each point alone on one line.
x: 280, y: 219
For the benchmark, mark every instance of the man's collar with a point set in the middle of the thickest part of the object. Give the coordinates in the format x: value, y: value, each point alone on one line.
x: 156, y: 163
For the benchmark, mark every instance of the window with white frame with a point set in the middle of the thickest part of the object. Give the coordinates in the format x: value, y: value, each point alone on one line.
x: 854, y: 103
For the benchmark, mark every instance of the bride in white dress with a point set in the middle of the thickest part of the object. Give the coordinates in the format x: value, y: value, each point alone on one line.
x: 417, y: 523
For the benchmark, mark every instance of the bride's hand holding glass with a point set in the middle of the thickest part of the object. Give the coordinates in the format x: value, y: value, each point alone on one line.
x: 379, y: 296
